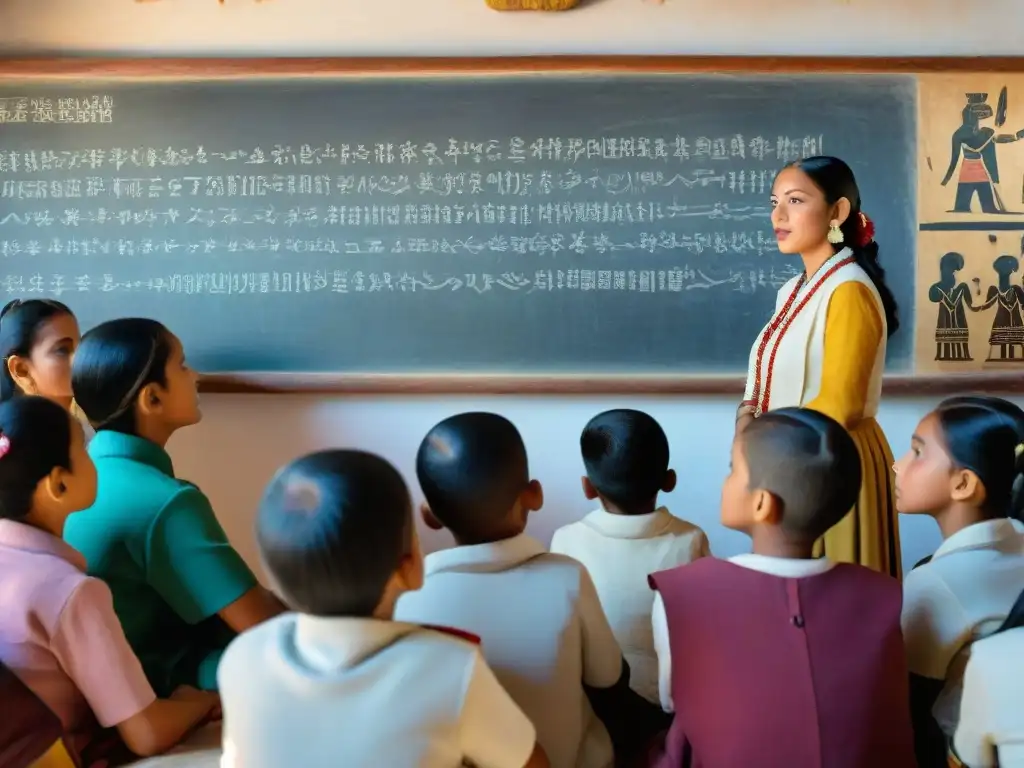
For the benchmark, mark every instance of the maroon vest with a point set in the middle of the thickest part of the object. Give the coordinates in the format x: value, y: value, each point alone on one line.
x: 785, y: 673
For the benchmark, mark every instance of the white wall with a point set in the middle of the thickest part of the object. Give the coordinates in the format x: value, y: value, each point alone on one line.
x: 244, y: 438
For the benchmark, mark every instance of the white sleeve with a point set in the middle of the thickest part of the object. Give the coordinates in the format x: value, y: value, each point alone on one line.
x: 659, y: 624
x: 973, y: 740
x: 602, y: 656
x: 493, y: 731
x: 700, y: 547
x: 935, y: 627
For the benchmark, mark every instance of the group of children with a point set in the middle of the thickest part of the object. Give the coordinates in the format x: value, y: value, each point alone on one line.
x: 129, y: 615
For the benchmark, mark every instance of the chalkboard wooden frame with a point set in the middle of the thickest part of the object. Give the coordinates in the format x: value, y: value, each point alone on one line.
x: 241, y: 68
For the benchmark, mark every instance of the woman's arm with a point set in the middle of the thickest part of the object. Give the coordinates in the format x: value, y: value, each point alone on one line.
x: 853, y: 332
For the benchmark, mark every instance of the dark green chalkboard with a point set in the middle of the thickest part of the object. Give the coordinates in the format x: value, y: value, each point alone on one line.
x: 527, y: 224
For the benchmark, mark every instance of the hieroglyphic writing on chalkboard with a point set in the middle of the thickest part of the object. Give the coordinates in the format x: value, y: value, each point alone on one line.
x: 74, y: 110
x: 676, y: 280
x: 500, y: 183
x: 580, y: 242
x: 780, y: 149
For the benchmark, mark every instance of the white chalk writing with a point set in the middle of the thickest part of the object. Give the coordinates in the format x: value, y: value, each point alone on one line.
x: 65, y: 111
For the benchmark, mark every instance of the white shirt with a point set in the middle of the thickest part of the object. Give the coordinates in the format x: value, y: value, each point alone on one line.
x: 543, y: 633
x: 961, y: 595
x: 783, y: 567
x: 992, y: 706
x: 619, y: 551
x: 321, y: 692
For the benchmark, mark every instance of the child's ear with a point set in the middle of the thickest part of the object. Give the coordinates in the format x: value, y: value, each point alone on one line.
x: 429, y: 519
x: 149, y: 399
x: 766, y: 508
x: 669, y: 484
x: 532, y: 499
x: 966, y: 486
x: 54, y: 486
x: 589, y: 491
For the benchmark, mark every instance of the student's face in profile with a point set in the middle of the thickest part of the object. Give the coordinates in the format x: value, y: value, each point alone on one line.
x: 926, y: 478
x: 737, y: 498
x: 66, y: 491
x: 179, y: 399
x: 800, y: 214
x: 47, y: 369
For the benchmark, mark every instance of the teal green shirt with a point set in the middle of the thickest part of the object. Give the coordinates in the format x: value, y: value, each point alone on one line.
x: 156, y: 542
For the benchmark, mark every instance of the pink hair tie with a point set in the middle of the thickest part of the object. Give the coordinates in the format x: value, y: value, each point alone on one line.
x: 5, y: 445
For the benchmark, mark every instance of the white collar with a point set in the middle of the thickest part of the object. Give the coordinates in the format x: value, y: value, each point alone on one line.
x: 987, y: 533
x: 484, y: 558
x: 784, y: 567
x: 629, y: 526
x: 327, y: 643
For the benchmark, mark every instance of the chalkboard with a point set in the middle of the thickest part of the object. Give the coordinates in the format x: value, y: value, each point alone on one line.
x: 526, y: 224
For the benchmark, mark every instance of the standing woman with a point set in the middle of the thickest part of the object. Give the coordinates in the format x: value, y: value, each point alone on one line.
x: 824, y: 348
x: 38, y: 338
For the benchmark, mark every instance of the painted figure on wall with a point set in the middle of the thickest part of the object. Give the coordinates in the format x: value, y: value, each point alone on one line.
x: 952, y: 335
x: 1006, y: 341
x: 975, y: 140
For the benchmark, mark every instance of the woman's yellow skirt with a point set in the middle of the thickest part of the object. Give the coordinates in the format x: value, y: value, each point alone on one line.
x: 870, y: 534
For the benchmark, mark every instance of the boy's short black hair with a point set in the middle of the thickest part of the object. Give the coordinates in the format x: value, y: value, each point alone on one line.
x: 626, y: 456
x: 472, y: 468
x: 332, y: 528
x: 809, y: 462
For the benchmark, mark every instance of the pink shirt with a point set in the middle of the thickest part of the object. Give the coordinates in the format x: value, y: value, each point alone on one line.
x: 59, y: 633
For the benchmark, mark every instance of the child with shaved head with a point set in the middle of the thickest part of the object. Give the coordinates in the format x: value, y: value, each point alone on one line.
x: 776, y: 658
x: 340, y: 682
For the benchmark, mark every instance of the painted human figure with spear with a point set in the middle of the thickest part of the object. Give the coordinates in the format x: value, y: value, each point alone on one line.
x: 979, y: 171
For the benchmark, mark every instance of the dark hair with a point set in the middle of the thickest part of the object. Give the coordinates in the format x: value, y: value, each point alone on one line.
x: 472, y: 467
x: 113, y: 362
x: 332, y: 528
x: 836, y: 180
x: 809, y: 462
x: 20, y: 321
x: 626, y: 456
x: 982, y: 433
x: 38, y: 432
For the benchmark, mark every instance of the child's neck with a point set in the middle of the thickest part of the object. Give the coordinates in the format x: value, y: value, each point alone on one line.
x: 646, y: 509
x: 41, y: 521
x: 956, y: 517
x: 472, y: 541
x: 770, y: 543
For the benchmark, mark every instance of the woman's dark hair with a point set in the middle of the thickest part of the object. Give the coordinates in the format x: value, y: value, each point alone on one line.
x: 986, y: 435
x: 332, y: 528
x: 20, y: 321
x: 836, y: 180
x: 113, y: 362
x: 38, y: 439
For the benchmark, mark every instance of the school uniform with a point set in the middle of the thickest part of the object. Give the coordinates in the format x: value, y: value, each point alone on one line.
x: 543, y: 633
x: 961, y: 595
x: 782, y: 663
x: 619, y: 551
x: 155, y: 540
x: 991, y: 728
x: 319, y: 692
x: 60, y: 636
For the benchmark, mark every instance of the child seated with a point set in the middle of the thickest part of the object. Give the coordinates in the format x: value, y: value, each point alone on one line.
x: 340, y: 682
x: 775, y: 659
x: 964, y: 468
x: 58, y: 631
x: 180, y: 588
x: 626, y: 457
x: 538, y: 615
x: 991, y: 728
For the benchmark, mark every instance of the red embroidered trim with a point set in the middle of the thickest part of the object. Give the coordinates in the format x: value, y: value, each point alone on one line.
x: 782, y: 316
x: 459, y: 633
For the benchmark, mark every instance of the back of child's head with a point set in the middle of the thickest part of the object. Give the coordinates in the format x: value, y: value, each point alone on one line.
x: 809, y: 463
x: 985, y: 435
x: 35, y: 439
x: 332, y: 528
x: 472, y: 468
x: 626, y: 456
x: 113, y: 363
